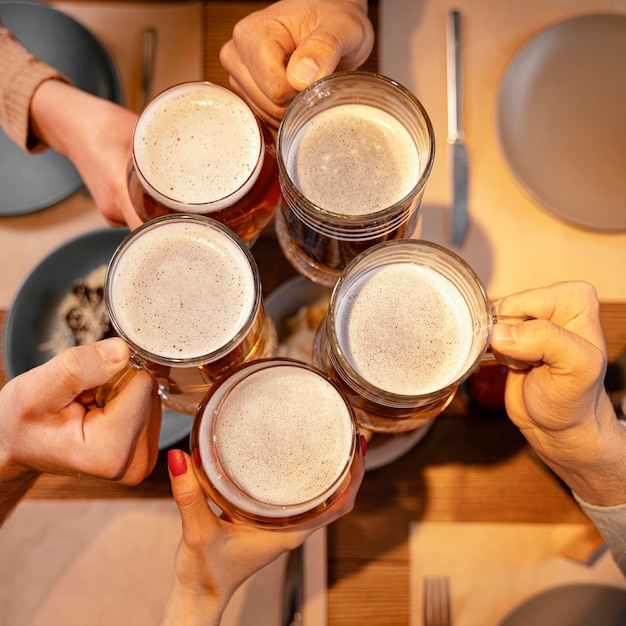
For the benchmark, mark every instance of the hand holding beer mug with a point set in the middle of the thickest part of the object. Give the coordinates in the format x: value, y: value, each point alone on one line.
x: 408, y: 321
x: 275, y: 444
x: 198, y: 148
x: 354, y: 152
x: 184, y: 292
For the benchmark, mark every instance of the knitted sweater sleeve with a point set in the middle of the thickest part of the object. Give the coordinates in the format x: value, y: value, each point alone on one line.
x: 20, y: 75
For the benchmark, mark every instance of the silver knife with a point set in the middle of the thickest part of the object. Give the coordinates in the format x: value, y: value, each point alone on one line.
x: 456, y: 137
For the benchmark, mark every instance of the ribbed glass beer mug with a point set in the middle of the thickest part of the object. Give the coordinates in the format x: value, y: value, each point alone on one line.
x: 355, y: 150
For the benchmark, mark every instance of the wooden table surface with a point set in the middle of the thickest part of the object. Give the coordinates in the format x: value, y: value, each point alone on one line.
x: 472, y: 465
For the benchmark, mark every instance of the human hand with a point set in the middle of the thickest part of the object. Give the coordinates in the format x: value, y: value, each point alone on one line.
x: 560, y: 404
x: 216, y: 556
x: 278, y: 51
x: 45, y: 429
x: 96, y: 135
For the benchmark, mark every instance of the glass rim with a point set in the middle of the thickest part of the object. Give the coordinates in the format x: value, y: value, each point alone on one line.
x: 218, y: 203
x: 340, y: 219
x: 295, y: 509
x: 209, y: 357
x: 350, y: 376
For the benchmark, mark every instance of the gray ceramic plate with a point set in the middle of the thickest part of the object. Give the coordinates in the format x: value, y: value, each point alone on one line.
x: 30, y: 321
x: 562, y: 120
x: 30, y: 182
x: 578, y: 604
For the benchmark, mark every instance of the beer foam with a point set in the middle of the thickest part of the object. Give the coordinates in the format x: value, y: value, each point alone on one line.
x: 284, y: 436
x: 182, y: 290
x: 354, y: 159
x: 197, y: 143
x: 405, y: 329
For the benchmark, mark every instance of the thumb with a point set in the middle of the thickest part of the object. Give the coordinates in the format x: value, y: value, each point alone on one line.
x: 78, y: 369
x: 316, y: 56
x: 323, y: 51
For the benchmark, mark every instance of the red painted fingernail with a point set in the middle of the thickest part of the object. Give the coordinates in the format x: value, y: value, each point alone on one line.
x: 176, y: 462
x: 363, y: 445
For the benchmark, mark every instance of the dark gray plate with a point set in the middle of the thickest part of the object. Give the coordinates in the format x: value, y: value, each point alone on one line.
x: 578, y: 604
x: 562, y: 120
x: 30, y: 182
x: 31, y: 318
x: 30, y: 321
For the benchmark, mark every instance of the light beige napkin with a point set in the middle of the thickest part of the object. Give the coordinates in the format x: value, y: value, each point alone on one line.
x: 495, y: 567
x: 103, y: 562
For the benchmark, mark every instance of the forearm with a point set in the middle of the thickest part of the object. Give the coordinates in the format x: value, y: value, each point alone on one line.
x: 57, y: 114
x: 95, y: 134
x: 596, y: 473
x: 187, y: 609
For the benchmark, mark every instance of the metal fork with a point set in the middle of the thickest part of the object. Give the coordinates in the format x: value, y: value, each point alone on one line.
x: 436, y: 601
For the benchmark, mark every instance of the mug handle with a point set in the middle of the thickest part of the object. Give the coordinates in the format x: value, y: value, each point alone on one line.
x: 492, y: 355
x: 105, y: 393
x: 102, y: 394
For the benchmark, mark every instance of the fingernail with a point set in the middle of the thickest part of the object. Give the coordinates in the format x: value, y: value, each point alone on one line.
x: 363, y: 445
x: 305, y: 70
x: 506, y: 334
x: 176, y: 462
x: 113, y: 350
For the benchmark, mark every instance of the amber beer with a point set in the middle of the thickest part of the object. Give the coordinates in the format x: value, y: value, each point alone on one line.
x: 274, y: 443
x: 354, y: 152
x: 198, y: 148
x: 184, y: 292
x: 408, y: 322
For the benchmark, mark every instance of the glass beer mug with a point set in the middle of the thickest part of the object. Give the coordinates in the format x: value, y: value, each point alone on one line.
x: 184, y: 292
x: 198, y: 148
x: 355, y: 150
x: 274, y: 443
x: 408, y: 321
